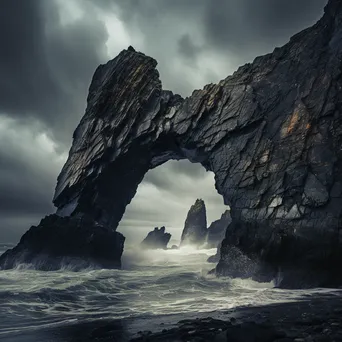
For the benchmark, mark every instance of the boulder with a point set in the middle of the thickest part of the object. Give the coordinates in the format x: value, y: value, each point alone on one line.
x: 74, y: 242
x: 195, y: 227
x: 156, y: 239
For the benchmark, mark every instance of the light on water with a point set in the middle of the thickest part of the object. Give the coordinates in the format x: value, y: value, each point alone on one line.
x: 152, y: 282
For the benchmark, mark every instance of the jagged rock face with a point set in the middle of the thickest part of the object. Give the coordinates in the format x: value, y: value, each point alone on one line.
x: 66, y: 242
x: 217, y: 230
x: 271, y: 133
x: 156, y: 239
x: 195, y: 227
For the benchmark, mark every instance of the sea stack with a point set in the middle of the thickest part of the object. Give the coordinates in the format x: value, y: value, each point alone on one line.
x: 217, y: 230
x: 195, y: 227
x: 156, y: 239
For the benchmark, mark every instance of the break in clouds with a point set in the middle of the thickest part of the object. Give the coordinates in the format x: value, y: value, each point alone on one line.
x: 50, y: 50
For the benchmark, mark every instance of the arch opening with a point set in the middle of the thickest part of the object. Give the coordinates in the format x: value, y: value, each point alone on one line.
x: 164, y: 198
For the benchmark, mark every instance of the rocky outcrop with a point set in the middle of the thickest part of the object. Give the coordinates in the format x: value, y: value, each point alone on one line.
x: 156, y: 239
x: 217, y: 230
x: 216, y: 234
x: 271, y: 133
x: 195, y: 227
x: 71, y: 242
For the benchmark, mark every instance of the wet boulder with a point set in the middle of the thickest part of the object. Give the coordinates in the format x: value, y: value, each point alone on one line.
x: 73, y: 242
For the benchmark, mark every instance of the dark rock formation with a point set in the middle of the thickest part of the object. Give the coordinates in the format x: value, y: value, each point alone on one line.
x: 195, y: 227
x: 156, y: 239
x: 174, y: 247
x: 66, y: 242
x: 271, y: 133
x: 217, y: 230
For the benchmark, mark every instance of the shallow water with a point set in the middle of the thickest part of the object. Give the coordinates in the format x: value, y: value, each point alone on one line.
x: 151, y: 284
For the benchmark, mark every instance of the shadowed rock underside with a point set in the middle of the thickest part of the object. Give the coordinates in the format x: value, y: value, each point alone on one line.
x: 271, y: 133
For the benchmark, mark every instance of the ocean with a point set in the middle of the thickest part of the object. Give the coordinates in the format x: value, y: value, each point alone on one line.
x: 155, y: 289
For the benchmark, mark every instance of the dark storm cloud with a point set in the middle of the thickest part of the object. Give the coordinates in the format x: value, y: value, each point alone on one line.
x: 26, y: 191
x: 249, y: 27
x: 233, y: 31
x: 27, y: 177
x: 188, y: 49
x: 46, y: 66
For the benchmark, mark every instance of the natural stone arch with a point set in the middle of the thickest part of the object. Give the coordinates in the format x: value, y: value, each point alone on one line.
x: 165, y: 197
x: 271, y: 133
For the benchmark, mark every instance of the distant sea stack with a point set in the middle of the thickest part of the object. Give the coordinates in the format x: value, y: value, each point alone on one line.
x: 195, y: 227
x: 156, y: 239
x: 217, y: 230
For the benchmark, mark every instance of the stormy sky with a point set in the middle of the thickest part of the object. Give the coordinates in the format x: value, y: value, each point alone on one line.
x: 50, y: 49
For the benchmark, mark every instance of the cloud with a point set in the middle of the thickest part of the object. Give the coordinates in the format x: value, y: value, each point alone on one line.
x: 167, y: 177
x: 29, y: 165
x: 248, y: 28
x: 46, y: 63
x: 188, y: 49
x: 199, y: 41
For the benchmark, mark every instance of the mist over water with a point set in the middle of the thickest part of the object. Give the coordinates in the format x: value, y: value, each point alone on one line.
x: 151, y: 284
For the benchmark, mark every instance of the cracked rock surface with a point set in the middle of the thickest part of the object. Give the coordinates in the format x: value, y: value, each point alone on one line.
x: 271, y: 133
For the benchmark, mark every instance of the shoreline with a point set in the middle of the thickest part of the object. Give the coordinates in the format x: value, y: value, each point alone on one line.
x: 313, y: 319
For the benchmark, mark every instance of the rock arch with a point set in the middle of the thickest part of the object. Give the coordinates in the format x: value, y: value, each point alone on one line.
x: 271, y: 133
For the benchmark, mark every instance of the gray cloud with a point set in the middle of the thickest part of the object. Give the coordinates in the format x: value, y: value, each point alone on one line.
x: 45, y: 65
x: 166, y: 177
x: 188, y: 49
x: 233, y: 32
x: 28, y: 167
x: 248, y: 27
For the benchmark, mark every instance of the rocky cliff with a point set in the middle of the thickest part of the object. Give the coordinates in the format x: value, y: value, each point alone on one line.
x: 271, y: 133
x: 156, y: 239
x: 217, y: 230
x: 195, y: 227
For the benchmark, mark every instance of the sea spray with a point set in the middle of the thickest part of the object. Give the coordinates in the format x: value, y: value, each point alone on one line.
x: 151, y: 284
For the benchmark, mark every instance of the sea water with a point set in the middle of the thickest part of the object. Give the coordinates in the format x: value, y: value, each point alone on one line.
x: 34, y: 305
